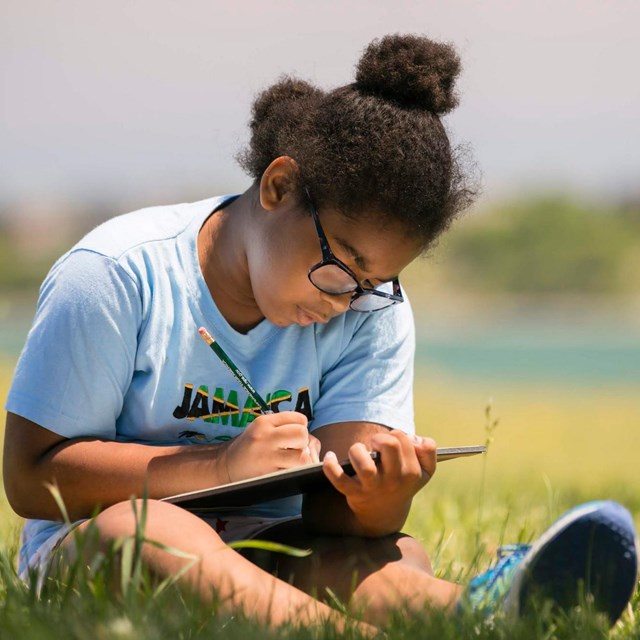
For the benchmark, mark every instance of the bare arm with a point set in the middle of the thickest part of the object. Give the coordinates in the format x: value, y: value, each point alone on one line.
x: 376, y: 501
x: 92, y: 473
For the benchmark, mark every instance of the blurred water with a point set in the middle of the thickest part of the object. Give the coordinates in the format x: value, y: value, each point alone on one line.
x: 576, y: 364
x: 562, y: 341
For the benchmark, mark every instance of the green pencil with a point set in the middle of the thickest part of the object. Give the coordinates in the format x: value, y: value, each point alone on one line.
x: 237, y: 374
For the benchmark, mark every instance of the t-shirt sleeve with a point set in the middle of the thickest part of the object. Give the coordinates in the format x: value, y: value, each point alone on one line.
x: 372, y: 379
x: 79, y: 357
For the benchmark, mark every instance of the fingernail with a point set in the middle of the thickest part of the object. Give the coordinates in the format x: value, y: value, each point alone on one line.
x: 330, y: 455
x: 417, y: 439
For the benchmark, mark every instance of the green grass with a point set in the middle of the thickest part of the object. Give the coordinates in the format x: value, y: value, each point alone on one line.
x: 551, y: 449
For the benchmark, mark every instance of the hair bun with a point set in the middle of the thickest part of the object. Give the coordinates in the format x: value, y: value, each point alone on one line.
x: 412, y: 71
x: 282, y: 95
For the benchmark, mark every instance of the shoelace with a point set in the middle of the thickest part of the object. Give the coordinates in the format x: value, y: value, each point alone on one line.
x: 509, y: 549
x: 508, y: 555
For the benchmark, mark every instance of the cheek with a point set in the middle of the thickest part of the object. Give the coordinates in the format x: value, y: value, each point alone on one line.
x: 275, y: 267
x: 279, y: 262
x: 278, y: 280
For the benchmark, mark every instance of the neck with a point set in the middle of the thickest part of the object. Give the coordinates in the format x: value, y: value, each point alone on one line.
x: 222, y: 255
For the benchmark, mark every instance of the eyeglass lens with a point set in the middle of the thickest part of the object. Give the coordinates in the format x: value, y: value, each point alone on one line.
x: 330, y: 278
x: 370, y: 303
x: 334, y: 280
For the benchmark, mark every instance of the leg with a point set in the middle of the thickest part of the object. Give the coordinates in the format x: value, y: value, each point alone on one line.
x: 376, y: 576
x: 218, y: 571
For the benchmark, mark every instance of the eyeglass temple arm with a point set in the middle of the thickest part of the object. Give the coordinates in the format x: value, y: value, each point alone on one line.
x: 328, y: 255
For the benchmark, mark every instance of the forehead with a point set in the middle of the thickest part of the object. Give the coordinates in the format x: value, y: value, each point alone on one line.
x: 378, y: 247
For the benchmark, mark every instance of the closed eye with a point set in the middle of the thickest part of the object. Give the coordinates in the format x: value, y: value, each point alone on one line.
x: 369, y: 284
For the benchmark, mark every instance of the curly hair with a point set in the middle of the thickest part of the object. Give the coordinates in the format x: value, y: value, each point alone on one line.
x: 376, y: 146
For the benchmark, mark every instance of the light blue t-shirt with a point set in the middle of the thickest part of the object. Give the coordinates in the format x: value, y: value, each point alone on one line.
x: 114, y: 351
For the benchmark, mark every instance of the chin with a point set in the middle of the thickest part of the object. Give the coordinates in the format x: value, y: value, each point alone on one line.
x: 279, y: 321
x: 280, y: 318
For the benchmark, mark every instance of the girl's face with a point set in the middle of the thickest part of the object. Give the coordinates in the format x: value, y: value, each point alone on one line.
x: 289, y: 246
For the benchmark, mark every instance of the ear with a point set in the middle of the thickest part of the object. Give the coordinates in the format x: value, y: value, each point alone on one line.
x: 278, y: 182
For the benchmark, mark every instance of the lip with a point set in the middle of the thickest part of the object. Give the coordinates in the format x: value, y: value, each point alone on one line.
x: 306, y: 317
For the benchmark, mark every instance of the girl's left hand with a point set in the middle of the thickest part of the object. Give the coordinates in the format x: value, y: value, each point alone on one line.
x: 379, y: 495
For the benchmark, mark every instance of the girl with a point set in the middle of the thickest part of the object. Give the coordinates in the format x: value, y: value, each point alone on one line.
x: 298, y: 278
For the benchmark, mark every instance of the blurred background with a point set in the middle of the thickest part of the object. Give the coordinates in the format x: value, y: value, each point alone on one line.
x: 531, y: 303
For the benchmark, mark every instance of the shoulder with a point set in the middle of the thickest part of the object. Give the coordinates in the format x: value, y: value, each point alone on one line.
x: 387, y: 323
x: 122, y: 234
x: 133, y: 246
x: 376, y: 333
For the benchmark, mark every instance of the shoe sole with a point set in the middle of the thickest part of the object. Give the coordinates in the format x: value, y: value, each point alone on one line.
x: 589, y: 555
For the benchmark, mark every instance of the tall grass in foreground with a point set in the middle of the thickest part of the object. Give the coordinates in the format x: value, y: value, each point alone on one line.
x: 83, y: 603
x: 550, y: 451
x: 448, y: 519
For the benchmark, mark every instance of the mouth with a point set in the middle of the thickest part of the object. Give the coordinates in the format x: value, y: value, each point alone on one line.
x: 305, y: 317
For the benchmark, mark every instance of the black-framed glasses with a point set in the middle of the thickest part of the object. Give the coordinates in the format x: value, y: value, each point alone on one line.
x: 334, y: 277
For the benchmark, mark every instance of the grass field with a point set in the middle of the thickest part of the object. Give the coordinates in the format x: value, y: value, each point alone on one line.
x: 551, y: 448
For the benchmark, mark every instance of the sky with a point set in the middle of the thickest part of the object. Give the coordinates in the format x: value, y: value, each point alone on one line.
x: 147, y: 101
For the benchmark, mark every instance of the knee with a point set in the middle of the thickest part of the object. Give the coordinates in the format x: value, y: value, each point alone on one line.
x: 172, y: 537
x: 152, y: 520
x: 399, y: 549
x: 169, y: 547
x: 128, y: 517
x: 413, y: 553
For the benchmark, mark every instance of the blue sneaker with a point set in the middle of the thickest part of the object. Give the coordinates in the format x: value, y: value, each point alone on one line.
x: 588, y: 555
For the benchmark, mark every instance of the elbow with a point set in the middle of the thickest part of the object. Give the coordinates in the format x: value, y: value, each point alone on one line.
x: 30, y: 497
x: 27, y: 493
x: 16, y: 498
x: 26, y: 469
x: 32, y: 503
x: 19, y: 496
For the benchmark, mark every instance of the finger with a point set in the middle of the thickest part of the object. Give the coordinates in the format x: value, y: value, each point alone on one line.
x: 426, y: 452
x: 362, y: 463
x: 336, y: 474
x: 311, y: 453
x: 289, y: 436
x: 314, y: 447
x: 290, y: 458
x: 264, y: 424
x: 308, y: 456
x: 287, y: 417
x: 410, y: 462
x: 390, y: 450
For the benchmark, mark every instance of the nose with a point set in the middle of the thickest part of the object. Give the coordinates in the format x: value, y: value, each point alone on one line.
x: 339, y: 303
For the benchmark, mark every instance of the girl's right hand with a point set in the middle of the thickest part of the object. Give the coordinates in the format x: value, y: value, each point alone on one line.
x: 272, y: 442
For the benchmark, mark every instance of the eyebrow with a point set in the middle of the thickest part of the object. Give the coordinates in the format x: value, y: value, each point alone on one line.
x: 359, y: 259
x: 353, y: 252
